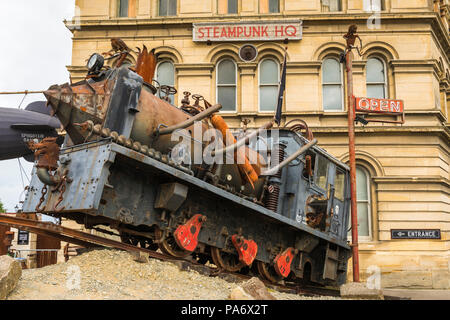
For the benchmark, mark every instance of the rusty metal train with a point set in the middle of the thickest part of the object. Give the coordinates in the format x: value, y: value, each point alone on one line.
x: 280, y: 209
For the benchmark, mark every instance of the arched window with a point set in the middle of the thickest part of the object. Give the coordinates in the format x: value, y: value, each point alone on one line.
x: 332, y: 85
x: 363, y: 202
x: 269, y: 78
x: 226, y: 85
x: 376, y: 79
x: 165, y: 75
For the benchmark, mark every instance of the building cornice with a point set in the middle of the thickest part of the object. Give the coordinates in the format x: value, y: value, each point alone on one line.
x: 407, y: 179
x: 438, y: 29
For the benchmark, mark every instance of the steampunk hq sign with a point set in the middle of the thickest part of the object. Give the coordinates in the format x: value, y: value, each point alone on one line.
x: 416, y: 234
x: 248, y: 31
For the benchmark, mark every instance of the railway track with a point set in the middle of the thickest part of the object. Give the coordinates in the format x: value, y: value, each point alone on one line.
x: 88, y: 240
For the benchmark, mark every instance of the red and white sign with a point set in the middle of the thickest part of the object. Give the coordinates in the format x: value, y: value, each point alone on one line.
x: 248, y: 31
x: 379, y: 105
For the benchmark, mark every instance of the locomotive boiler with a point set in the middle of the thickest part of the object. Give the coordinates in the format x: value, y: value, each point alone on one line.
x: 270, y: 201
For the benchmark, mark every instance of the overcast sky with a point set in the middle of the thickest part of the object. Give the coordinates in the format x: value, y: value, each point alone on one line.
x: 35, y: 48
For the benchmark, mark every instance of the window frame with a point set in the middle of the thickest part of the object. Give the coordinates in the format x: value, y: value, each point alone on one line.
x: 382, y: 6
x: 369, y: 208
x: 227, y: 85
x: 322, y: 7
x: 174, y: 77
x: 267, y: 85
x: 228, y: 7
x: 119, y: 2
x: 279, y: 9
x: 385, y: 83
x: 167, y: 15
x: 341, y: 70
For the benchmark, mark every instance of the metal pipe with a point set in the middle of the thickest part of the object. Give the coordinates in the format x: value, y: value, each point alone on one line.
x: 202, y: 115
x: 22, y: 92
x: 242, y: 141
x: 291, y: 158
x: 352, y: 156
x: 46, y: 178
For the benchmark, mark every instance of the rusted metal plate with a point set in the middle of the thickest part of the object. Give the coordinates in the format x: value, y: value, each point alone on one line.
x: 87, y: 169
x: 248, y: 31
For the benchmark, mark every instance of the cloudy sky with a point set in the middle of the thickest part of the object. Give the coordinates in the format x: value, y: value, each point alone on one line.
x: 35, y: 49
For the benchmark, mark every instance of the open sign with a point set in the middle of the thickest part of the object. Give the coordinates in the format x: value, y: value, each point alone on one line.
x: 379, y: 105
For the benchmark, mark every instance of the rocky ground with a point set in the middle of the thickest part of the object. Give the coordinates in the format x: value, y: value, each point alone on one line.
x: 106, y: 274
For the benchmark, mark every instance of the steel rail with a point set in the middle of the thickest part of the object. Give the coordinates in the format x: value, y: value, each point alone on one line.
x: 73, y: 236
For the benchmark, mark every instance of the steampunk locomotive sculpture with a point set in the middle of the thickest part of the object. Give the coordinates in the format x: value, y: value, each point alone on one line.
x: 271, y: 202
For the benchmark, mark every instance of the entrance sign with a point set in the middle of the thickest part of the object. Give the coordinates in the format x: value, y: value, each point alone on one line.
x: 248, y: 31
x: 379, y: 105
x: 416, y: 234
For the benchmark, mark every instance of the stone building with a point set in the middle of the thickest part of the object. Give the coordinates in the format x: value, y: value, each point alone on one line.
x: 403, y: 169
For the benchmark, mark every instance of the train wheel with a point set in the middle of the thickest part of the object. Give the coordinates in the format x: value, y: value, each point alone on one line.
x: 138, y: 241
x: 268, y: 272
x: 128, y: 239
x: 148, y: 244
x: 169, y: 245
x: 227, y: 261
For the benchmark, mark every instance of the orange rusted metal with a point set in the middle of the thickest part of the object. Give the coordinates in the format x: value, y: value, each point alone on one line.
x: 146, y: 64
x: 246, y: 168
x: 46, y: 153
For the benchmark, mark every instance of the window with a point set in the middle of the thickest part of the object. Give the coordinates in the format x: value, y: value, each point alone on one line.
x: 373, y: 5
x: 167, y: 7
x: 339, y: 185
x: 322, y: 173
x: 226, y: 85
x: 232, y: 6
x: 274, y: 6
x: 227, y: 6
x: 165, y: 75
x: 269, y: 6
x: 123, y: 8
x: 331, y: 5
x: 126, y: 8
x: 363, y: 202
x: 332, y: 85
x: 376, y: 79
x: 269, y: 78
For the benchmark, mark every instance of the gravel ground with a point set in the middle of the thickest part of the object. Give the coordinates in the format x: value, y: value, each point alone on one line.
x: 113, y: 275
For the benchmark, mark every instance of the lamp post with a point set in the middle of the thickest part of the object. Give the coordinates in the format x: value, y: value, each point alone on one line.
x: 351, y: 37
